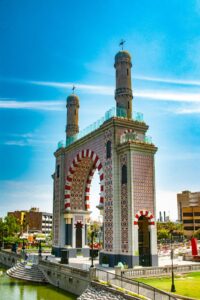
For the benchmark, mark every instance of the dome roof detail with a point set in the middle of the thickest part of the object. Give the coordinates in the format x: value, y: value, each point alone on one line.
x: 122, y: 54
x: 72, y: 98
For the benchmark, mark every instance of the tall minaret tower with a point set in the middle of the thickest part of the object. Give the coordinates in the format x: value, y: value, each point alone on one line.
x: 123, y: 92
x: 72, y: 105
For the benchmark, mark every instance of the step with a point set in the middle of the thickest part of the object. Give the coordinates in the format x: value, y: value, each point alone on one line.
x: 33, y: 274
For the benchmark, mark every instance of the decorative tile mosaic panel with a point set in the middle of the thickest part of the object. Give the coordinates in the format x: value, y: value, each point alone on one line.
x: 78, y: 184
x: 143, y: 177
x: 108, y: 205
x: 124, y: 209
x: 56, y: 208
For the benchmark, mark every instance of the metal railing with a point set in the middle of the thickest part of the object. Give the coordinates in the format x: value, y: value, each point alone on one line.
x: 155, y: 271
x: 113, y: 112
x: 132, y: 286
x: 132, y: 136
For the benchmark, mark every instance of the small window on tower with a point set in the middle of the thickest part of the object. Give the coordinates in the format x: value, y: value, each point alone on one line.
x: 127, y: 72
x: 124, y: 174
x: 128, y: 105
x: 108, y: 149
x: 58, y: 171
x: 116, y: 73
x: 75, y: 112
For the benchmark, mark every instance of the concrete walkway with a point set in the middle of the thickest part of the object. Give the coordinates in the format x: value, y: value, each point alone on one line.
x: 85, y: 263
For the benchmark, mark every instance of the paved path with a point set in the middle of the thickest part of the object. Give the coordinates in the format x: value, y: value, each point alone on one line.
x: 85, y: 262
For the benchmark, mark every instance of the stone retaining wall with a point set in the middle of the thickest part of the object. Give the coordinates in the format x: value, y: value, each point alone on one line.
x: 65, y: 277
x: 8, y: 258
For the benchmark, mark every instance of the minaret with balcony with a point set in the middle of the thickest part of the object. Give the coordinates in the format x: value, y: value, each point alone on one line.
x: 123, y: 92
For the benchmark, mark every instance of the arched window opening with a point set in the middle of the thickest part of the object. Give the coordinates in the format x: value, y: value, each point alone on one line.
x: 108, y: 149
x: 75, y: 112
x: 128, y: 105
x: 124, y: 174
x: 57, y: 171
x: 127, y: 72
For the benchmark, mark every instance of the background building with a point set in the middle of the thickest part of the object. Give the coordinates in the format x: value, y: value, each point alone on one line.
x: 163, y: 217
x: 189, y: 211
x: 33, y: 220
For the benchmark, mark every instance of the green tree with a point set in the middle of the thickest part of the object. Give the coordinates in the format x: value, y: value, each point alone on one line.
x: 162, y: 234
x: 197, y: 234
x: 9, y: 229
x: 164, y: 229
x: 95, y: 226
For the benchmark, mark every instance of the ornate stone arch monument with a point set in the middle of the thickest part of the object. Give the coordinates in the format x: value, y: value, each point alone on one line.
x: 116, y: 146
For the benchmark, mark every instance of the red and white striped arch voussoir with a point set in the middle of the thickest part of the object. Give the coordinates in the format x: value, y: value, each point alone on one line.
x: 144, y: 213
x: 96, y: 165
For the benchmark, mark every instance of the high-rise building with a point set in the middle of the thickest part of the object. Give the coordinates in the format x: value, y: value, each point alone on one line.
x: 189, y: 211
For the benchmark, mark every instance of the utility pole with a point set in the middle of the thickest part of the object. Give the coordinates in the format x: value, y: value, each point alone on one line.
x: 173, y: 289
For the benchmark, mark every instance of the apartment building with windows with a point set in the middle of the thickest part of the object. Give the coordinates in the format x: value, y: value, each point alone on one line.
x: 34, y: 221
x: 189, y: 211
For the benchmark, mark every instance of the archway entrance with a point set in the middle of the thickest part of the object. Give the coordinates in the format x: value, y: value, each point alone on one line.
x: 144, y: 241
x: 77, y: 199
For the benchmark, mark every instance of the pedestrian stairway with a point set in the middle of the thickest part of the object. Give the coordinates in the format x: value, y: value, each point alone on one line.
x: 29, y: 272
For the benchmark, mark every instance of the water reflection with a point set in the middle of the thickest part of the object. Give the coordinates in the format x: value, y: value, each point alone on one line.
x: 22, y: 290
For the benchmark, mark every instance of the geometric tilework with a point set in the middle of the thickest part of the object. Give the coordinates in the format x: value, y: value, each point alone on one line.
x: 143, y: 182
x: 77, y: 196
x: 124, y: 209
x: 108, y: 205
x: 86, y: 161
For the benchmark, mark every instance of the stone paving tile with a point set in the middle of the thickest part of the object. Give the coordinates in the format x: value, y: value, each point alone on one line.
x: 96, y: 294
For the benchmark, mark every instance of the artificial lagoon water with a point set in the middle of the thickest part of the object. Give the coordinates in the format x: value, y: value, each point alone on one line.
x: 13, y: 289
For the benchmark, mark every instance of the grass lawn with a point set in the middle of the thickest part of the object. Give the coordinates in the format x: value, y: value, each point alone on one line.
x: 186, y: 284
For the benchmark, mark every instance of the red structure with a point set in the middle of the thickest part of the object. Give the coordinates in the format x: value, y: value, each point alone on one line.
x: 194, y: 246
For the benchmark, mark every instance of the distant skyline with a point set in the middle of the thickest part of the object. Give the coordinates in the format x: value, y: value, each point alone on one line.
x: 49, y: 46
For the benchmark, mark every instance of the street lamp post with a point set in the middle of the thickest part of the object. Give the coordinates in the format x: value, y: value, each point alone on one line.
x: 173, y: 289
x: 40, y: 248
x: 92, y: 250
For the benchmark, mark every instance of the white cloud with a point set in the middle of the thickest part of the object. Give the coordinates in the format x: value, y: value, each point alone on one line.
x: 93, y: 89
x: 26, y: 141
x: 35, y: 105
x: 166, y: 95
x: 16, y: 143
x: 169, y: 80
x: 188, y: 110
x: 24, y: 135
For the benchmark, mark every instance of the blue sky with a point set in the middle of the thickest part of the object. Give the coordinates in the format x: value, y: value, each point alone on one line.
x: 47, y: 46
